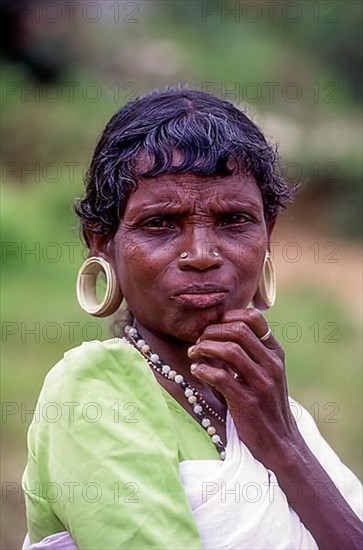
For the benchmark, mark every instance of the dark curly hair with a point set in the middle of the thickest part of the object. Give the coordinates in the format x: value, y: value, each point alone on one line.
x: 207, y: 133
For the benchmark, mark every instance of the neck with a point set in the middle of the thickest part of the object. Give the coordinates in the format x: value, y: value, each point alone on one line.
x: 175, y: 353
x: 171, y: 351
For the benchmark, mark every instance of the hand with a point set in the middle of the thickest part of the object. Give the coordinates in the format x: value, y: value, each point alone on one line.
x: 258, y: 403
x: 250, y: 374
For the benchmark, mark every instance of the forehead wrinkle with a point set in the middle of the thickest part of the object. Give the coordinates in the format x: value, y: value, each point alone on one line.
x: 146, y: 206
x: 173, y: 182
x: 231, y: 202
x: 187, y: 191
x: 227, y: 199
x: 211, y: 187
x: 150, y: 202
x: 164, y: 195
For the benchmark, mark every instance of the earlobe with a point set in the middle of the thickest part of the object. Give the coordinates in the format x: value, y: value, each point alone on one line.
x: 86, y: 288
x: 266, y: 293
x: 101, y: 245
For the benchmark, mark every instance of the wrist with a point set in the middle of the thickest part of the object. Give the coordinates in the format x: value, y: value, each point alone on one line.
x: 290, y: 457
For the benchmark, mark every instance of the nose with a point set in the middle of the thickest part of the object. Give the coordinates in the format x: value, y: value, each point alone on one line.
x: 200, y: 253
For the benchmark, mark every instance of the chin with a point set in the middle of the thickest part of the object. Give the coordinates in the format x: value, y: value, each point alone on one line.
x: 189, y: 329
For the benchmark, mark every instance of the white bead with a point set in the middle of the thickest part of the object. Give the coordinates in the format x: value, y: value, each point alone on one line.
x: 154, y: 357
x: 165, y: 369
x: 197, y: 409
x: 145, y: 348
x: 192, y: 399
x: 205, y: 422
x: 132, y: 331
x: 179, y: 379
x: 127, y: 329
x: 223, y: 455
x: 140, y: 343
x: 211, y: 430
x: 216, y: 438
x: 188, y: 392
x: 172, y: 374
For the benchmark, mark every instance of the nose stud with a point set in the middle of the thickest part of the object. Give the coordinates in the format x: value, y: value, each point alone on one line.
x: 185, y: 254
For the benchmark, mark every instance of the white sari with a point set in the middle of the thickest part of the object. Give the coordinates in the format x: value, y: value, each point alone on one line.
x: 238, y: 503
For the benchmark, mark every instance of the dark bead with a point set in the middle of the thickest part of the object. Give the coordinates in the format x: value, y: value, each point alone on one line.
x: 201, y: 415
x: 184, y: 384
x: 220, y: 446
x: 159, y: 363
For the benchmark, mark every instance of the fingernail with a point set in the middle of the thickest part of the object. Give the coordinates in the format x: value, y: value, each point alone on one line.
x: 191, y: 350
x: 193, y: 367
x: 197, y: 342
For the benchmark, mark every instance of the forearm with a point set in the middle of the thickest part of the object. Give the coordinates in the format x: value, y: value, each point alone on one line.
x: 317, y: 501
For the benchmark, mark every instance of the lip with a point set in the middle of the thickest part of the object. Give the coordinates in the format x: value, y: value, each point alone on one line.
x: 208, y: 288
x: 201, y: 301
x: 201, y: 296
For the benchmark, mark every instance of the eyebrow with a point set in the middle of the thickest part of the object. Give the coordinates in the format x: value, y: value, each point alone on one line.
x: 236, y: 203
x: 145, y: 208
x: 174, y: 206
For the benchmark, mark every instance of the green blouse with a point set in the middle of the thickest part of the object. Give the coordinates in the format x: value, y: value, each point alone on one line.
x: 104, y: 449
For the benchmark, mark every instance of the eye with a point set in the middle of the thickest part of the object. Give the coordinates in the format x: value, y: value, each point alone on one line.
x: 159, y: 223
x: 234, y: 219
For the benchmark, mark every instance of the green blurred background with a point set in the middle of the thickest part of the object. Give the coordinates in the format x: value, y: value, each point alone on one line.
x: 294, y: 67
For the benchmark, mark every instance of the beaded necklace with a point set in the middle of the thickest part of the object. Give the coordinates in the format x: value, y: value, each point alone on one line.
x: 194, y: 398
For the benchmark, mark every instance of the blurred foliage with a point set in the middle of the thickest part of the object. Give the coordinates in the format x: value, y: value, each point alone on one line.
x: 300, y: 80
x: 319, y: 136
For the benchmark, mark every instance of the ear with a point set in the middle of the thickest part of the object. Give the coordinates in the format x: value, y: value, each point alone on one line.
x: 270, y: 226
x: 258, y: 300
x: 100, y: 245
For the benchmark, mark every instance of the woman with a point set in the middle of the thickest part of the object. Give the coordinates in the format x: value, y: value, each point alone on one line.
x: 180, y: 433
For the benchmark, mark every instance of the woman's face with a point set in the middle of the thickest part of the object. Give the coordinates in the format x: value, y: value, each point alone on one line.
x: 174, y: 213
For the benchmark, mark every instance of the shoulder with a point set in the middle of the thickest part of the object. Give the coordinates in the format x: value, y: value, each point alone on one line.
x: 87, y: 359
x: 97, y: 365
x: 99, y: 391
x: 102, y: 380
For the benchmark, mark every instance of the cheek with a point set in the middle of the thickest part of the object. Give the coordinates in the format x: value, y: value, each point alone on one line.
x: 248, y: 257
x: 129, y: 253
x: 138, y: 265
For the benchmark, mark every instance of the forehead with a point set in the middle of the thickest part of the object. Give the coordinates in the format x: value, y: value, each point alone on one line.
x: 184, y: 188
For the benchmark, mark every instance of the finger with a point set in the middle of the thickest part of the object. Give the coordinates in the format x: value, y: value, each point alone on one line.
x: 241, y: 333
x: 231, y: 355
x: 219, y: 379
x: 257, y: 323
x: 235, y: 392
